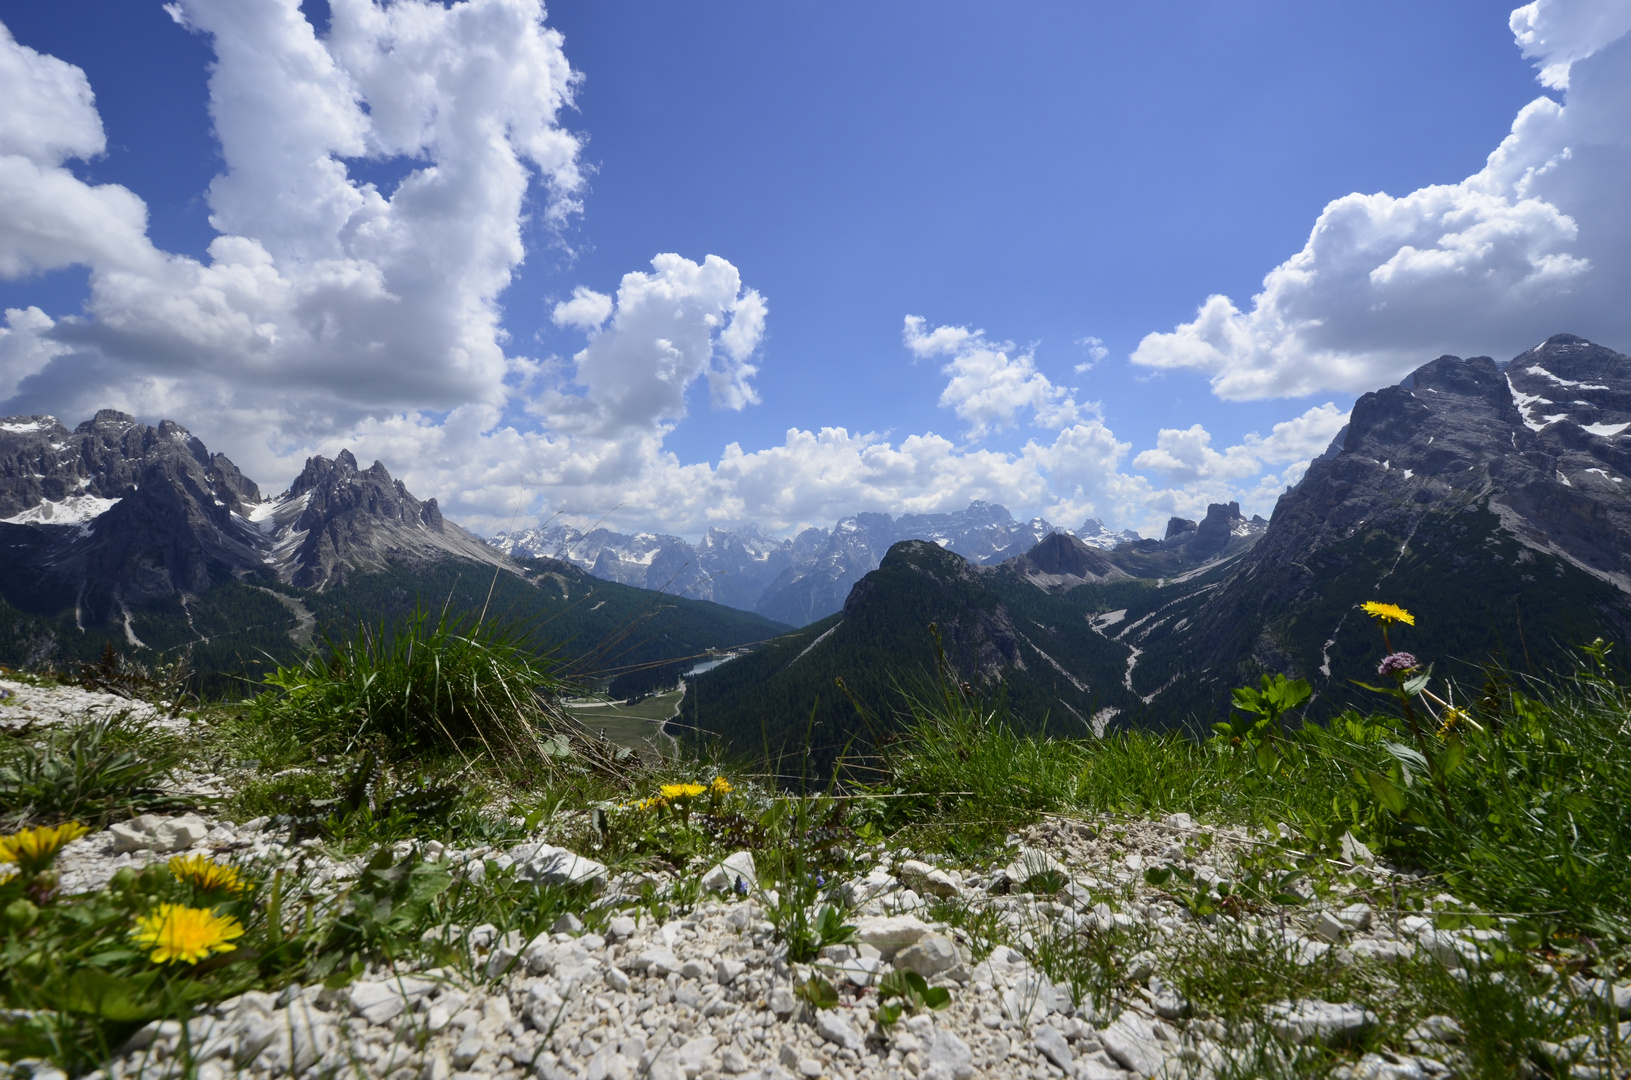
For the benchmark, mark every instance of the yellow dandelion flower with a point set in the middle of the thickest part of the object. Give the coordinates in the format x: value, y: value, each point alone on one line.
x: 682, y: 791
x: 656, y: 802
x: 720, y: 786
x: 206, y: 876
x: 36, y: 849
x: 1388, y: 613
x: 188, y: 934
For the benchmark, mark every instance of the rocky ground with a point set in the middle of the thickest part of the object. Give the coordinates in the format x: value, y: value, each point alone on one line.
x: 711, y: 993
x: 24, y: 704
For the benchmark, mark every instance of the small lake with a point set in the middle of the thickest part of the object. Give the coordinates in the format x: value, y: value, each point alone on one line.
x: 709, y: 664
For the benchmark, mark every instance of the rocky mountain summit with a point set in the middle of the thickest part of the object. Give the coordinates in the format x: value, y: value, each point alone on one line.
x: 335, y: 518
x: 115, y: 514
x: 1061, y: 562
x: 1187, y: 545
x: 1491, y: 496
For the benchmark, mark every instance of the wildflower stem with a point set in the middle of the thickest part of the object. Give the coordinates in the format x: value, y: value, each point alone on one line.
x: 1421, y: 744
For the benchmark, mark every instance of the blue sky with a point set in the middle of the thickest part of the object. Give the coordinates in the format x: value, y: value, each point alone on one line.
x: 1074, y: 180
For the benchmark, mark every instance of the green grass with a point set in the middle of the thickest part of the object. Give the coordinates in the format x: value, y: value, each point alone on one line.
x: 1534, y: 818
x: 426, y: 684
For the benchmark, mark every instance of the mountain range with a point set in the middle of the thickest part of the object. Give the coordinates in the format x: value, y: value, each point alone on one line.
x: 793, y: 580
x: 122, y: 532
x: 1488, y: 499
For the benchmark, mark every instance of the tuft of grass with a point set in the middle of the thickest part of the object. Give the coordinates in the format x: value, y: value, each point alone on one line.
x: 282, y: 792
x: 97, y: 773
x: 960, y: 774
x: 452, y: 683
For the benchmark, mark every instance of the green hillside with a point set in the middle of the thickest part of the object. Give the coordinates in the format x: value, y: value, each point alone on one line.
x: 1477, y: 593
x: 238, y: 628
x: 881, y: 642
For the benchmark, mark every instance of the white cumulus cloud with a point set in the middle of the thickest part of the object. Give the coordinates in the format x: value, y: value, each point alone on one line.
x: 1185, y: 455
x: 668, y: 329
x: 1538, y: 241
x: 323, y: 299
x: 988, y: 387
x: 587, y: 309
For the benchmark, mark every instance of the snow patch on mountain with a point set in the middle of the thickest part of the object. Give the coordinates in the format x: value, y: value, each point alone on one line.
x: 74, y: 510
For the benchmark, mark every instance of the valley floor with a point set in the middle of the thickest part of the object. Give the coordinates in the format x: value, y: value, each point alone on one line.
x: 638, y: 726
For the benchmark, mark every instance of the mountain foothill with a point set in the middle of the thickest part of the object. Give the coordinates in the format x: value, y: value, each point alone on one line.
x: 1489, y: 498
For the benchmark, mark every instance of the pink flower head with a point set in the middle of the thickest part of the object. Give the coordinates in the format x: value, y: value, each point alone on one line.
x: 1397, y: 664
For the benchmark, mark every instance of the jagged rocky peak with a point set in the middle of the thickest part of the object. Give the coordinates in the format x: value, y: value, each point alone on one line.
x: 1431, y: 482
x: 1542, y: 441
x: 1569, y: 378
x: 1224, y: 532
x: 338, y: 486
x: 153, y: 513
x: 1097, y: 534
x: 116, y: 512
x: 52, y: 476
x: 336, y: 518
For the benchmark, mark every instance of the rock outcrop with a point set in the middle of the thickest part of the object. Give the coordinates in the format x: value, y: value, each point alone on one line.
x: 1188, y: 545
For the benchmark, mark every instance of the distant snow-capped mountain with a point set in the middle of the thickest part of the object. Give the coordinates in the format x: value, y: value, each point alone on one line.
x: 1094, y: 533
x: 795, y: 580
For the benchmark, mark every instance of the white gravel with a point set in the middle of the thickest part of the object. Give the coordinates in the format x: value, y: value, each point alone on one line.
x: 23, y: 705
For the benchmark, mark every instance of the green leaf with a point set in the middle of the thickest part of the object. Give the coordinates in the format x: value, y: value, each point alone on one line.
x: 902, y: 983
x: 1158, y: 875
x: 1289, y: 899
x: 886, y: 1015
x: 820, y: 993
x: 831, y: 929
x: 1247, y: 700
x: 1414, y: 684
x: 937, y: 997
x: 345, y: 975
x: 1454, y: 753
x: 112, y: 997
x: 1386, y: 793
x: 1408, y: 756
x: 1393, y: 690
x: 1286, y: 694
